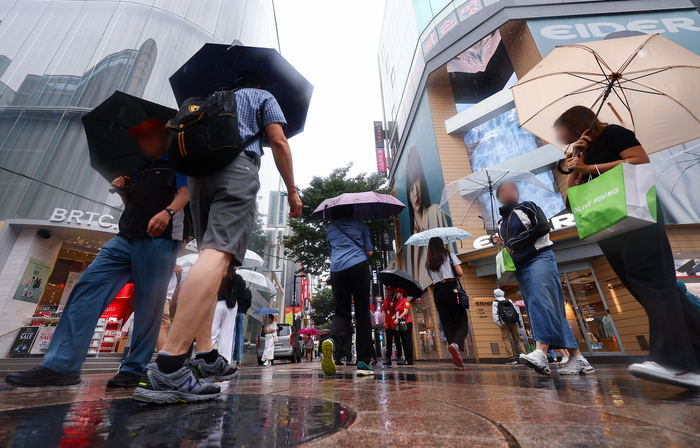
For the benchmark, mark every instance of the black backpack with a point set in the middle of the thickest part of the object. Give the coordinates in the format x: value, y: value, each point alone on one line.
x: 204, y: 135
x: 507, y: 312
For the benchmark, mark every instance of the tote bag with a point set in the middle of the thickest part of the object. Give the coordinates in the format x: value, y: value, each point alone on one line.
x: 505, y: 268
x: 617, y: 201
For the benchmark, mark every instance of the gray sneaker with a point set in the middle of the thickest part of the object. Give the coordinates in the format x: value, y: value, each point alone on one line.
x: 219, y: 370
x: 182, y: 385
x: 536, y: 360
x: 576, y: 367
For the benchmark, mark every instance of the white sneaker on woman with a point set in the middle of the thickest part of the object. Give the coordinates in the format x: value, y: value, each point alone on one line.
x: 536, y: 360
x: 657, y: 373
x: 576, y: 366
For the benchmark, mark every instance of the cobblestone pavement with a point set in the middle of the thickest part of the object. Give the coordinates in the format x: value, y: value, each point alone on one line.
x: 428, y: 404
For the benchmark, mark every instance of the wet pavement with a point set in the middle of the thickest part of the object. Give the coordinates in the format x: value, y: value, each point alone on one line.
x: 421, y: 405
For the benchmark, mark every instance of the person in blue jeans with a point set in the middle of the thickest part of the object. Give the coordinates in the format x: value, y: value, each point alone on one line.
x: 145, y: 249
x: 239, y: 331
x: 524, y: 231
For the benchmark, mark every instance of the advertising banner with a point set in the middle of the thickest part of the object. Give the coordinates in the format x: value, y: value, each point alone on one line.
x: 304, y: 290
x: 43, y: 339
x: 297, y: 317
x: 257, y: 302
x: 682, y: 27
x: 70, y: 283
x: 33, y: 281
x: 24, y: 340
x: 289, y: 315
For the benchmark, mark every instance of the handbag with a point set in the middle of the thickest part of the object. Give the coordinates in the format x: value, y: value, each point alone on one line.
x: 403, y: 326
x: 617, y: 201
x: 462, y: 297
x: 505, y: 268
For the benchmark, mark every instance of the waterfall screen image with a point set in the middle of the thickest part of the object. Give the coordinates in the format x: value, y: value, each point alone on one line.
x: 501, y: 139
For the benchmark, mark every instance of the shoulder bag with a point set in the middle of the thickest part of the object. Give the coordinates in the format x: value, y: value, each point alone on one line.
x: 362, y: 249
x: 462, y: 297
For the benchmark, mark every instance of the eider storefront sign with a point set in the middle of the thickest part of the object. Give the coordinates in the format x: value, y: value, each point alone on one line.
x: 83, y: 219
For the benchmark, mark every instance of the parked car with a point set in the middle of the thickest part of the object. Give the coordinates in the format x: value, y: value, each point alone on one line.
x: 287, y: 346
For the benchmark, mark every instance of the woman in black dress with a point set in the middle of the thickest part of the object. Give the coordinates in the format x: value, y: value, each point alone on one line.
x: 641, y: 258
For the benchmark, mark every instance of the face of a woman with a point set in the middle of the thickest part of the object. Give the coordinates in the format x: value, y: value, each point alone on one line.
x: 563, y: 135
x: 414, y: 195
x: 508, y: 194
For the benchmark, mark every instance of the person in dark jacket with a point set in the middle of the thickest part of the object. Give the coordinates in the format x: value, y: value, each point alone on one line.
x: 524, y: 231
x: 145, y: 249
x: 244, y: 304
x: 223, y: 327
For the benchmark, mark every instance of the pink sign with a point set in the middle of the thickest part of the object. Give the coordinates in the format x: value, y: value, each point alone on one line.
x: 381, y: 160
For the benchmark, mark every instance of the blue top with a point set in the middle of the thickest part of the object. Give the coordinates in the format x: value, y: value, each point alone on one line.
x: 180, y: 179
x: 525, y: 229
x: 344, y: 252
x: 256, y: 110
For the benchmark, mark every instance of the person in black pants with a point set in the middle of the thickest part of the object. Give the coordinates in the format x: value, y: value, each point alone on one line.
x: 406, y: 337
x: 442, y: 266
x: 350, y: 246
x: 641, y: 258
x: 392, y: 336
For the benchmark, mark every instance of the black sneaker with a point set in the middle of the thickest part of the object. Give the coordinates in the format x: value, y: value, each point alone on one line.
x: 350, y: 363
x: 387, y: 362
x: 219, y: 370
x: 124, y: 379
x: 182, y: 385
x: 402, y: 363
x: 41, y: 376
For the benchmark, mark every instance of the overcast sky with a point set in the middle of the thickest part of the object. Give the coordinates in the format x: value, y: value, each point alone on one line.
x: 334, y: 45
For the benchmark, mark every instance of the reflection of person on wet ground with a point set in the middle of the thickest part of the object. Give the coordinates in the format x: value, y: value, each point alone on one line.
x: 441, y: 266
x: 524, y: 231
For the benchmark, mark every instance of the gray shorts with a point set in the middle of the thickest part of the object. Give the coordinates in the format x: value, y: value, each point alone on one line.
x: 223, y: 207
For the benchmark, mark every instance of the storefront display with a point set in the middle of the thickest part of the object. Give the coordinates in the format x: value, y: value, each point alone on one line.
x: 33, y: 281
x: 24, y: 340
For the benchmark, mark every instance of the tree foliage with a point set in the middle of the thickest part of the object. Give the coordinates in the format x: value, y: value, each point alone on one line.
x: 323, y: 308
x: 306, y: 242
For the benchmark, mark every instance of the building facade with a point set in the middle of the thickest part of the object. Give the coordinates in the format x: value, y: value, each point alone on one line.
x: 58, y: 60
x: 446, y: 68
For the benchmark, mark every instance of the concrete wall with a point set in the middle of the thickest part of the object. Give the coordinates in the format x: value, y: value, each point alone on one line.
x: 13, y: 312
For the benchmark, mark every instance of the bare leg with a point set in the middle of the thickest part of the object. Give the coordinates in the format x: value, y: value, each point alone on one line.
x: 545, y: 348
x: 162, y: 335
x: 197, y: 302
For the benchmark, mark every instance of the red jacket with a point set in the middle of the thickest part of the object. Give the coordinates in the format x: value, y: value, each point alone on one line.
x: 404, y: 304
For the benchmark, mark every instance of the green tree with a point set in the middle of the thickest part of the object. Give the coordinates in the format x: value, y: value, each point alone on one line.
x: 258, y: 239
x: 323, y: 308
x: 306, y: 243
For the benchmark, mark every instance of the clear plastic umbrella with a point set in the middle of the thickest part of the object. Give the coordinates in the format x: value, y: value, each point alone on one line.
x: 684, y: 169
x: 251, y: 260
x: 459, y: 196
x: 449, y: 235
x: 256, y: 280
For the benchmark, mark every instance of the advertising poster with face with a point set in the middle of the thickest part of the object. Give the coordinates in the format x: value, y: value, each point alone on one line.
x: 419, y: 185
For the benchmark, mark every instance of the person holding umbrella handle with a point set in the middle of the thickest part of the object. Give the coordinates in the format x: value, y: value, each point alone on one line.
x: 404, y: 326
x: 641, y: 258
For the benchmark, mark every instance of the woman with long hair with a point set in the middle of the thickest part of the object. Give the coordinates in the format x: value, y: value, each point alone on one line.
x: 524, y: 231
x: 422, y: 214
x: 641, y: 258
x: 441, y: 266
x: 270, y: 331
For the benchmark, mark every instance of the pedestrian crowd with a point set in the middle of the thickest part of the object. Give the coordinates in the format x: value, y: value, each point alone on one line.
x: 209, y: 304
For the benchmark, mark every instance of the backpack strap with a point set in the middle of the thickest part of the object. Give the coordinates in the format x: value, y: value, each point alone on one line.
x: 362, y: 249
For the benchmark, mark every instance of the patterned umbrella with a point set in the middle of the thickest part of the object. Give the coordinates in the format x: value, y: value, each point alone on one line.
x: 309, y: 331
x: 449, y: 235
x: 368, y: 205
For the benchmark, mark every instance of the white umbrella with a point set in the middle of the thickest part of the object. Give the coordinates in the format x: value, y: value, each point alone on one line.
x: 683, y: 169
x: 645, y: 83
x: 251, y: 260
x: 459, y: 196
x: 256, y: 280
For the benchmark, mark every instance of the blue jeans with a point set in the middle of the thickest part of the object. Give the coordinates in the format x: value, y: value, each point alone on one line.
x: 544, y: 300
x: 238, y: 337
x: 150, y: 262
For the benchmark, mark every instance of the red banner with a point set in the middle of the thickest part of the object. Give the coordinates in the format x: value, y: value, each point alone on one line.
x: 381, y: 160
x: 304, y: 290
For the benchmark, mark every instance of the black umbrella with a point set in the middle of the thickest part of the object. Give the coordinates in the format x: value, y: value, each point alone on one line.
x: 400, y: 279
x: 216, y: 66
x: 113, y: 152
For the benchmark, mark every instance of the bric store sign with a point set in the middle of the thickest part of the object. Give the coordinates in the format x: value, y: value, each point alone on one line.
x: 682, y: 27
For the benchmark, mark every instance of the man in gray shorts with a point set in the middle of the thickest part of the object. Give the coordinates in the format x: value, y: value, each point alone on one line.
x: 223, y: 209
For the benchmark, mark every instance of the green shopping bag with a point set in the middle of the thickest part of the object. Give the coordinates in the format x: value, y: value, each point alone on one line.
x: 617, y: 201
x: 505, y: 268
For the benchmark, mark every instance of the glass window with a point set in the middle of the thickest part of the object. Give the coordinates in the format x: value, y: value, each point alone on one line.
x: 424, y: 13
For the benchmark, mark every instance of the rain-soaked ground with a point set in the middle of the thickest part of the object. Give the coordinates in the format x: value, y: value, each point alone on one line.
x: 423, y: 405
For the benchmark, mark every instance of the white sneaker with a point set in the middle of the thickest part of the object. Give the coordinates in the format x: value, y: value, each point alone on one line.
x: 563, y: 361
x: 536, y: 360
x: 234, y: 364
x: 576, y: 367
x: 657, y: 373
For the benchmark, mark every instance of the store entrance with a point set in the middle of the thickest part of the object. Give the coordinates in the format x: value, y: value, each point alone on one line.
x: 587, y: 312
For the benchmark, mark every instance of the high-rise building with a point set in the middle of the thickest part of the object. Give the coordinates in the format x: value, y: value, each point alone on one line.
x: 58, y: 60
x: 446, y: 69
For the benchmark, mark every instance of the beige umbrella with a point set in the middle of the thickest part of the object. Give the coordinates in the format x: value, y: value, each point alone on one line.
x: 646, y: 83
